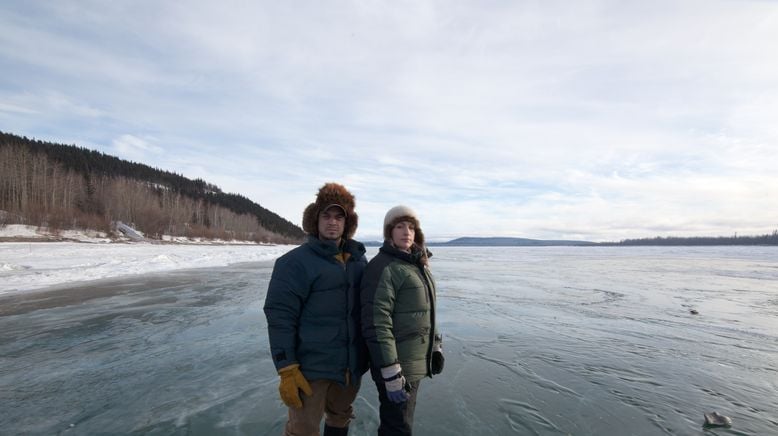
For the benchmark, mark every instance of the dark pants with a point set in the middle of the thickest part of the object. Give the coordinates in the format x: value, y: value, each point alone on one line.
x: 396, y: 418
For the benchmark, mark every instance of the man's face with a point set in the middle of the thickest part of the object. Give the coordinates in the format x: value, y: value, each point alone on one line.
x: 332, y: 223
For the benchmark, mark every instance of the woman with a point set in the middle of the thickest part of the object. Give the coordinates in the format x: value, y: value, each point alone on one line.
x: 398, y: 320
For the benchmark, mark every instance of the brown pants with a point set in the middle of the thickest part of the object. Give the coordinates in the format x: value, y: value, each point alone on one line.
x: 329, y: 399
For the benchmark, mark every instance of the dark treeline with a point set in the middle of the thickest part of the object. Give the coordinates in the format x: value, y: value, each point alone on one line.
x: 704, y: 240
x: 65, y: 186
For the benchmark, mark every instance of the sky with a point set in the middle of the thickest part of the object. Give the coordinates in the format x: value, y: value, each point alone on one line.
x: 588, y: 120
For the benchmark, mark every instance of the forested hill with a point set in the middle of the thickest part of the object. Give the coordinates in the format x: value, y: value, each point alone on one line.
x: 66, y: 186
x: 769, y: 239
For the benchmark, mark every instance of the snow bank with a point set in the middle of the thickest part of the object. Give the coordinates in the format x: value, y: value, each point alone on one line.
x: 31, y: 232
x: 19, y: 231
x: 27, y: 266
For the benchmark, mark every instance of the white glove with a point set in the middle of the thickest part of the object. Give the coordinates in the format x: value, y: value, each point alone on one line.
x: 395, y: 383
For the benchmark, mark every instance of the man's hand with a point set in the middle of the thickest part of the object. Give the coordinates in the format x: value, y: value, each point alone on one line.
x: 395, y: 383
x: 292, y: 381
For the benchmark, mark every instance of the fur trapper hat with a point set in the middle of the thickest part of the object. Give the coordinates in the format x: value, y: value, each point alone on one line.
x: 403, y: 213
x: 331, y: 194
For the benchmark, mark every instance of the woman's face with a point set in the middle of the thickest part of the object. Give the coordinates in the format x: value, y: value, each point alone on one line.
x: 403, y: 234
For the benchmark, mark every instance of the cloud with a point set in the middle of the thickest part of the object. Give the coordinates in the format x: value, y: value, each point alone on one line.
x: 5, y: 107
x: 595, y: 120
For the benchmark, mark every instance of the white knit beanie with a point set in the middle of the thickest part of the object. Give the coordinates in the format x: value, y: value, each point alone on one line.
x: 399, y: 212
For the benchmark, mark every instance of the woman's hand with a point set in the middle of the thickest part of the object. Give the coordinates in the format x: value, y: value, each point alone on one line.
x: 395, y: 383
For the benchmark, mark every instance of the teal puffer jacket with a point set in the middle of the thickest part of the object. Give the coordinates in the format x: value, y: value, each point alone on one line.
x: 312, y: 309
x: 398, y: 312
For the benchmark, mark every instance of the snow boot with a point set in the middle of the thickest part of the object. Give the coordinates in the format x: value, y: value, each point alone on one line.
x: 335, y: 431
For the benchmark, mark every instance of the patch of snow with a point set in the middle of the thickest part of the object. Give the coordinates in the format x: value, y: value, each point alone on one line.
x: 95, y: 237
x: 176, y: 239
x: 19, y: 231
x: 185, y: 240
x: 86, y: 236
x: 25, y: 231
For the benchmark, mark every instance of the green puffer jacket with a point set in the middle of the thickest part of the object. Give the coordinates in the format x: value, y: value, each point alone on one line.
x: 398, y: 312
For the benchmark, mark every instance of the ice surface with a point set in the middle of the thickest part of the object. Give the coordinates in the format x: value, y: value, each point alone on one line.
x: 35, y: 265
x: 589, y: 341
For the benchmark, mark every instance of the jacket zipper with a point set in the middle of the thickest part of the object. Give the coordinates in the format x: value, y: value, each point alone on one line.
x: 431, y: 301
x: 348, y: 314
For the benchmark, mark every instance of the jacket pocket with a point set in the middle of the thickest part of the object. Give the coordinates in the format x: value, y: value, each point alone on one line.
x: 421, y: 333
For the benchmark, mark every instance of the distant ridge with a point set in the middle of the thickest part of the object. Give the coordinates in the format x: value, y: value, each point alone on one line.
x: 470, y: 241
x: 507, y: 242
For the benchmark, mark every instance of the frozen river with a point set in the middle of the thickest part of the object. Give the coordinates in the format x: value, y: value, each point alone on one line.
x: 538, y: 341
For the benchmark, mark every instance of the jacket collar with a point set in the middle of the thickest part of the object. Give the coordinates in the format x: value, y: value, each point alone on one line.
x: 329, y: 249
x: 413, y: 257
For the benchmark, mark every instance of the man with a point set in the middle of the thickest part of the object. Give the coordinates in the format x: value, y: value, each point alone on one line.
x: 313, y: 312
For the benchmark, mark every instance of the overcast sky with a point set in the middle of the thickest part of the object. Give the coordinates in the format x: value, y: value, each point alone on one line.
x: 595, y: 120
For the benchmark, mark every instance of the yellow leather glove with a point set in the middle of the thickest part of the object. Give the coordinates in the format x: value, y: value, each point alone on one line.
x: 292, y: 380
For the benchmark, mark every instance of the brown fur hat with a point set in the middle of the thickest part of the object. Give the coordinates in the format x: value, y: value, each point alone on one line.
x: 403, y: 213
x: 329, y: 194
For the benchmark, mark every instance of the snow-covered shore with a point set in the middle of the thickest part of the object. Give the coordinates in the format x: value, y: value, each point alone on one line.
x: 27, y: 266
